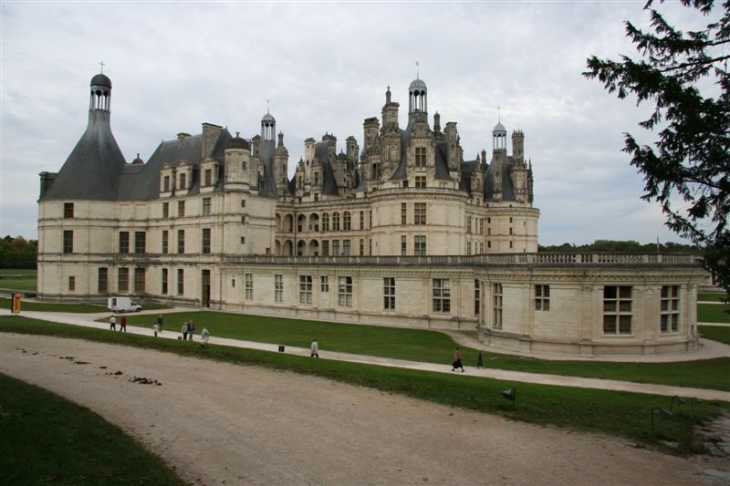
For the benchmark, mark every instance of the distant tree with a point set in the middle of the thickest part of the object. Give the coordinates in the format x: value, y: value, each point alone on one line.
x: 617, y: 246
x: 18, y: 252
x: 684, y: 75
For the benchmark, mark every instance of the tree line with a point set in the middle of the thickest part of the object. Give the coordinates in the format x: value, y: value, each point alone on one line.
x: 18, y: 252
x: 628, y: 246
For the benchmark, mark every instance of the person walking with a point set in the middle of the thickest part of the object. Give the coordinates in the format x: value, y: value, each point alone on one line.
x: 457, y: 360
x: 314, y: 349
x: 204, y: 337
x: 112, y: 323
x: 184, y: 330
x: 155, y: 328
x: 123, y: 324
x: 191, y: 329
x: 160, y: 322
x: 480, y: 361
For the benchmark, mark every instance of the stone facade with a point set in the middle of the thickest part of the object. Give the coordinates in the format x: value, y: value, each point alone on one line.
x: 402, y: 232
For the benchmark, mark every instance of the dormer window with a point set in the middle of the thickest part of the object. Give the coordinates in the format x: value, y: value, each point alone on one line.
x: 166, y: 184
x: 420, y: 156
x: 183, y: 181
x: 208, y: 177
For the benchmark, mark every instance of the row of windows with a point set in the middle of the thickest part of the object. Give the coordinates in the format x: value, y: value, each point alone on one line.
x: 419, y: 214
x: 182, y: 180
x: 617, y: 300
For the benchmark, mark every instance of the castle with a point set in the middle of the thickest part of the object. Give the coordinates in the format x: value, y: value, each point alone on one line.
x: 402, y: 231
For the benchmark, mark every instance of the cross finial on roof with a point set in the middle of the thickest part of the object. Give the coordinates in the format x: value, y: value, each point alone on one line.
x: 499, y: 114
x: 102, y: 66
x: 267, y: 107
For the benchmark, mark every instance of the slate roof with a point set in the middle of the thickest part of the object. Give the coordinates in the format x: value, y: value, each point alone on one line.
x: 91, y: 170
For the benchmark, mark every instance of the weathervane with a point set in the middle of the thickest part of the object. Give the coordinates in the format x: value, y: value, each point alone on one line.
x: 417, y: 73
x: 102, y: 66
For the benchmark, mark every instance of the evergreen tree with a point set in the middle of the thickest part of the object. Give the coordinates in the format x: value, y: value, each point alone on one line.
x: 684, y: 76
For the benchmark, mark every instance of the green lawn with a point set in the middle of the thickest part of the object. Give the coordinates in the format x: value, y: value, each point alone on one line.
x: 28, y: 272
x: 616, y: 413
x: 79, y: 308
x: 716, y: 333
x: 713, y: 313
x: 433, y: 347
x: 711, y: 297
x: 45, y: 439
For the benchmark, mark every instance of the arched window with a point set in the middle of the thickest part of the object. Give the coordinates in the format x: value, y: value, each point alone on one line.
x: 325, y: 222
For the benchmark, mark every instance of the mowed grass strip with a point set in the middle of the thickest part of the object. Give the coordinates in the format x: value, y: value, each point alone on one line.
x: 45, y: 439
x: 616, y: 413
x: 433, y: 347
x: 719, y: 313
x: 716, y: 333
x: 71, y: 308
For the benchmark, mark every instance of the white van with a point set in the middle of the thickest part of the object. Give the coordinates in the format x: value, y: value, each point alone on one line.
x: 122, y: 304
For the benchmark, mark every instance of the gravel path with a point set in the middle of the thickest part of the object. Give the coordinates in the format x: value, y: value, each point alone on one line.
x: 224, y: 424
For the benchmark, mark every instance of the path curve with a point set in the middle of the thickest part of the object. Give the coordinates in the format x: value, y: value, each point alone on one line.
x: 224, y: 424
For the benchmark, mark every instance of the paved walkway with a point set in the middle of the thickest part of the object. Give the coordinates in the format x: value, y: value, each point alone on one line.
x: 707, y: 350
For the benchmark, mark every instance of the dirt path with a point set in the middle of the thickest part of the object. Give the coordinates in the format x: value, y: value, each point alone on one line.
x: 224, y: 424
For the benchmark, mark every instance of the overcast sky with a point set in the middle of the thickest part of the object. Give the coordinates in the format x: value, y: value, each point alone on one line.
x: 324, y: 67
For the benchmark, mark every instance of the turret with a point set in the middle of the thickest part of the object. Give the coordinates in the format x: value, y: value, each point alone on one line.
x: 238, y: 163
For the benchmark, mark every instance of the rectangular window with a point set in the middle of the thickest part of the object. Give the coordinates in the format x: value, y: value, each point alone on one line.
x: 404, y: 245
x: 419, y: 213
x: 140, y: 242
x: 542, y: 297
x: 468, y: 247
x: 346, y: 221
x: 441, y: 294
x: 481, y: 226
x: 103, y: 280
x: 206, y: 206
x: 497, y: 306
x: 68, y: 241
x: 362, y: 220
x: 325, y: 222
x: 124, y: 242
x: 420, y: 181
x: 71, y: 284
x: 325, y: 248
x: 344, y: 292
x: 181, y: 209
x: 164, y: 281
x: 181, y: 241
x: 362, y: 247
x: 208, y: 177
x: 183, y: 181
x: 68, y: 210
x: 166, y: 184
x: 165, y: 210
x: 206, y: 241
x: 419, y: 245
x: 279, y: 288
x: 669, y: 308
x: 389, y: 293
x: 335, y: 247
x: 403, y: 214
x: 420, y: 156
x: 165, y: 242
x: 617, y: 309
x: 248, y: 285
x: 346, y: 247
x: 123, y: 280
x: 324, y: 283
x: 243, y: 203
x: 477, y: 298
x: 180, y: 281
x: 139, y: 279
x: 305, y: 289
